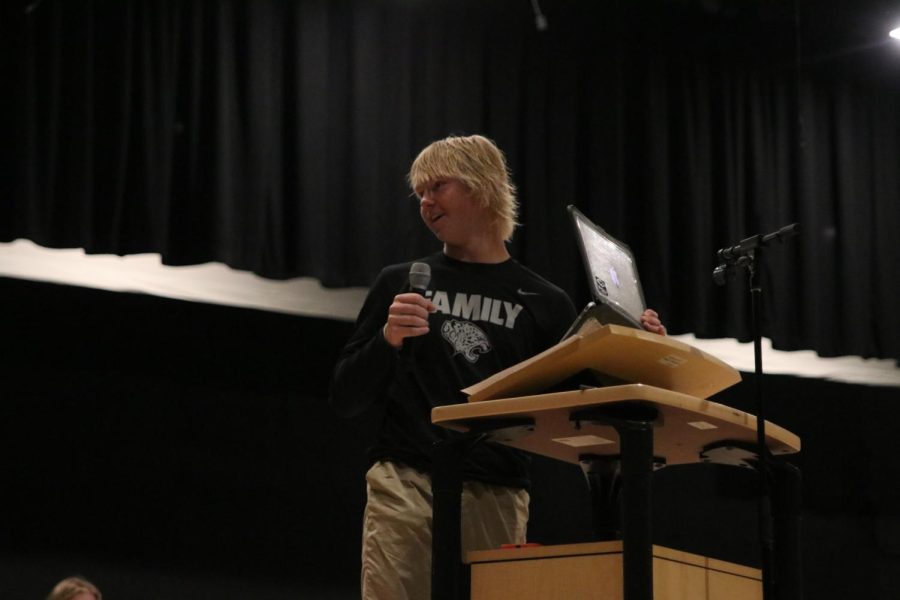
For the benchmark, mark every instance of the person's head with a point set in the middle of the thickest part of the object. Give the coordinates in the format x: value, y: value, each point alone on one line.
x: 75, y: 588
x: 480, y: 166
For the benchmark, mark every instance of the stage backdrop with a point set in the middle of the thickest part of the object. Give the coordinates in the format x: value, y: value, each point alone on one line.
x: 274, y: 136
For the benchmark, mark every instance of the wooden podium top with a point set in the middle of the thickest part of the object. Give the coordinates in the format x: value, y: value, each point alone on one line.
x: 625, y: 354
x: 686, y: 426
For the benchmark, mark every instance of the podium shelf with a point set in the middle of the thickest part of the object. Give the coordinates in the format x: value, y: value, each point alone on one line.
x: 686, y: 425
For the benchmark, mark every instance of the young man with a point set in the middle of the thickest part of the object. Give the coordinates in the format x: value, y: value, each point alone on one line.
x: 482, y: 312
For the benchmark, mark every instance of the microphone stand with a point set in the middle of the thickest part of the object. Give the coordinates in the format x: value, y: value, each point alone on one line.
x: 766, y: 540
x: 748, y: 253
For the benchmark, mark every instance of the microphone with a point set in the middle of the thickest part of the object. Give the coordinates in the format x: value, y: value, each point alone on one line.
x: 743, y: 253
x: 733, y: 254
x: 419, y: 277
x: 730, y: 254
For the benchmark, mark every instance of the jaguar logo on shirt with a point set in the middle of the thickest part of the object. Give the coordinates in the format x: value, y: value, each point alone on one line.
x: 466, y: 338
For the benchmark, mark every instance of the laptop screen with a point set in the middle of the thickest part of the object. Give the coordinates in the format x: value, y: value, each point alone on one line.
x: 612, y: 273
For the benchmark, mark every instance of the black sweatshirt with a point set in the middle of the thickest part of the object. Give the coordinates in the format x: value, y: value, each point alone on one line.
x: 489, y: 317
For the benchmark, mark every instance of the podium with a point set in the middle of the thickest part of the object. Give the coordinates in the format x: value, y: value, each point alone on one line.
x: 594, y: 571
x: 656, y: 413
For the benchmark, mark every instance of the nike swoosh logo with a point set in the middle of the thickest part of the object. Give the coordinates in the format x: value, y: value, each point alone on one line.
x: 522, y: 292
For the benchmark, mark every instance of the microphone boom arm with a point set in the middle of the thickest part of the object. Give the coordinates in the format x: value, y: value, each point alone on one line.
x: 742, y: 254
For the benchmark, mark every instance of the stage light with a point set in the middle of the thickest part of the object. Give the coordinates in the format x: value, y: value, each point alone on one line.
x: 895, y: 34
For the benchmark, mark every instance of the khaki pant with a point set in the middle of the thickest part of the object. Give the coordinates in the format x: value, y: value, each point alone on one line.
x: 396, y: 553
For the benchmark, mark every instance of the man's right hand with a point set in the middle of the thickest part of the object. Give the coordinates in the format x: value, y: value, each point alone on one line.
x: 407, y: 317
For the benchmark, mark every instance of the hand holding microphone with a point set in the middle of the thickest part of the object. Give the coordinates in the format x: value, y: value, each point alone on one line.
x: 408, y: 314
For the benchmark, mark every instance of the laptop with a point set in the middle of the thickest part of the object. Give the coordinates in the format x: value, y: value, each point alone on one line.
x: 612, y: 277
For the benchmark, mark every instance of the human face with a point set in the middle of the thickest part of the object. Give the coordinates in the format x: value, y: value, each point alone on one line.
x: 451, y: 211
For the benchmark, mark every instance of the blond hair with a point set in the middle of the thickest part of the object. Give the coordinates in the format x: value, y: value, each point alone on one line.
x: 480, y: 165
x: 72, y: 586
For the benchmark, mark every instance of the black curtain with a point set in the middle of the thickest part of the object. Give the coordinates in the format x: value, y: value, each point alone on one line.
x: 274, y: 136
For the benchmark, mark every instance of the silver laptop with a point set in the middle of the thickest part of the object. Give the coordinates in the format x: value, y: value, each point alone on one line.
x: 612, y: 277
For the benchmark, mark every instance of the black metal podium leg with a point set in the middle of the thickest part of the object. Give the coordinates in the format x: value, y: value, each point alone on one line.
x: 633, y: 422
x: 449, y: 576
x: 447, y: 569
x: 636, y: 440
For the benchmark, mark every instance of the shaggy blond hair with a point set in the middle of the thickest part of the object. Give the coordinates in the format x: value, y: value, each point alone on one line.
x: 72, y: 586
x: 480, y: 165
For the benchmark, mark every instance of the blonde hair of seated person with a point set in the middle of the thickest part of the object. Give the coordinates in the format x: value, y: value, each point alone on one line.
x: 75, y: 588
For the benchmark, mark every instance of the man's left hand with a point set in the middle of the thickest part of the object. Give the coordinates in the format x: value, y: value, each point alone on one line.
x: 650, y: 321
